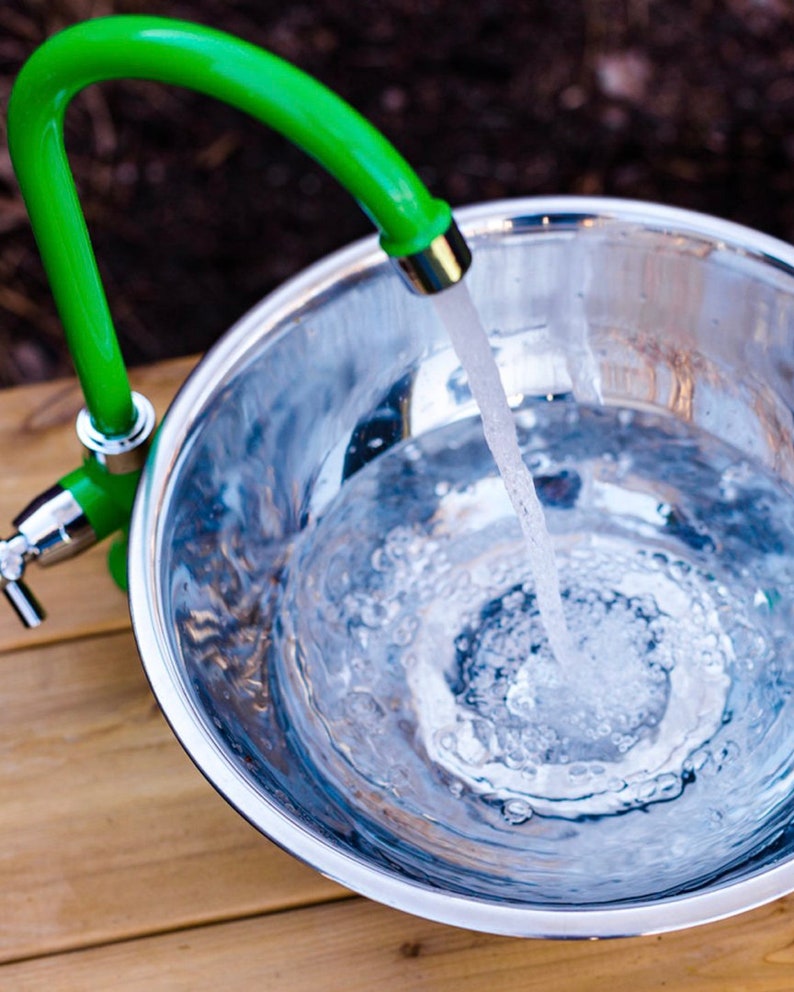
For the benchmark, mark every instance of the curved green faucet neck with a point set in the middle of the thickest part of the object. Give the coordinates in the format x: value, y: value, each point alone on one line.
x: 409, y: 218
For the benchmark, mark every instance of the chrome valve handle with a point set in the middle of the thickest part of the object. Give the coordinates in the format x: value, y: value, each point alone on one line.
x: 51, y: 528
x: 13, y: 556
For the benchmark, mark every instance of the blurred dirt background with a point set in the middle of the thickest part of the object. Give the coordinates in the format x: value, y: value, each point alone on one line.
x: 197, y: 212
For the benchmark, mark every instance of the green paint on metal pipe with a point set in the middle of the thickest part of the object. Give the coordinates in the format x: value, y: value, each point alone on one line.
x: 219, y: 65
x: 105, y: 499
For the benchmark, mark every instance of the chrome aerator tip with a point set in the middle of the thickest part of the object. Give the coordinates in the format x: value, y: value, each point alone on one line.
x: 444, y: 262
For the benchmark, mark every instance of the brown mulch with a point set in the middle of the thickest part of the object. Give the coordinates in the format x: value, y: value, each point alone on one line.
x: 197, y: 212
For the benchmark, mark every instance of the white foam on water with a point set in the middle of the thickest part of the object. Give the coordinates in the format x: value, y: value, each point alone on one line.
x: 613, y: 738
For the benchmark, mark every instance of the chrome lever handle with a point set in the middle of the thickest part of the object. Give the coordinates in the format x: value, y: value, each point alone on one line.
x: 14, y: 553
x: 52, y: 527
x: 25, y: 604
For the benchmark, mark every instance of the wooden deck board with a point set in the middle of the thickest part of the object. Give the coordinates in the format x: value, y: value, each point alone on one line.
x: 107, y: 830
x: 356, y: 946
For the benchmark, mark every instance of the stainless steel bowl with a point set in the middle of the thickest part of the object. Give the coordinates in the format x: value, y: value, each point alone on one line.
x: 680, y: 317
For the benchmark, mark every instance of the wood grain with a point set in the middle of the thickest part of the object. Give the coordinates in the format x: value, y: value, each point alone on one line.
x: 107, y: 830
x: 356, y: 946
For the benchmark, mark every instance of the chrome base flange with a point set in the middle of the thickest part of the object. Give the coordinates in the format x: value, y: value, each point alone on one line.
x: 120, y: 455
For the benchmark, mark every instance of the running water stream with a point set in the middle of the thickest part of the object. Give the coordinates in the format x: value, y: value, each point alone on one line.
x: 469, y: 339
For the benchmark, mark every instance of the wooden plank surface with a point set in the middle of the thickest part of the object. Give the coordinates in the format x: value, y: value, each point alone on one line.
x: 356, y: 946
x: 106, y: 828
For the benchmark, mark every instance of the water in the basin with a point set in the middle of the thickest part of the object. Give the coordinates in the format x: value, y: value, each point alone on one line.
x: 413, y: 657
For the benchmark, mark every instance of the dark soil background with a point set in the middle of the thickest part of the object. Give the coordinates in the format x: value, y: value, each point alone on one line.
x: 197, y: 212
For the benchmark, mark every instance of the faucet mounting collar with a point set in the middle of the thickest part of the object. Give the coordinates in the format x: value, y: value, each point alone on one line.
x: 119, y: 455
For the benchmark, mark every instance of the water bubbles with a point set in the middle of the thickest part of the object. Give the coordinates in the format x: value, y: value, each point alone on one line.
x: 375, y: 613
x: 625, y: 418
x: 668, y: 785
x: 337, y: 577
x: 516, y: 706
x: 647, y: 791
x: 398, y: 541
x: 701, y: 762
x: 516, y: 811
x: 733, y: 479
x: 364, y: 710
x: 678, y: 570
x: 446, y: 740
x: 404, y: 630
x: 516, y: 759
x: 380, y: 560
x: 623, y: 742
x: 526, y: 419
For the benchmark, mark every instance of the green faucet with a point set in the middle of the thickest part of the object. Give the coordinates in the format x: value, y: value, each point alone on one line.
x: 416, y: 230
